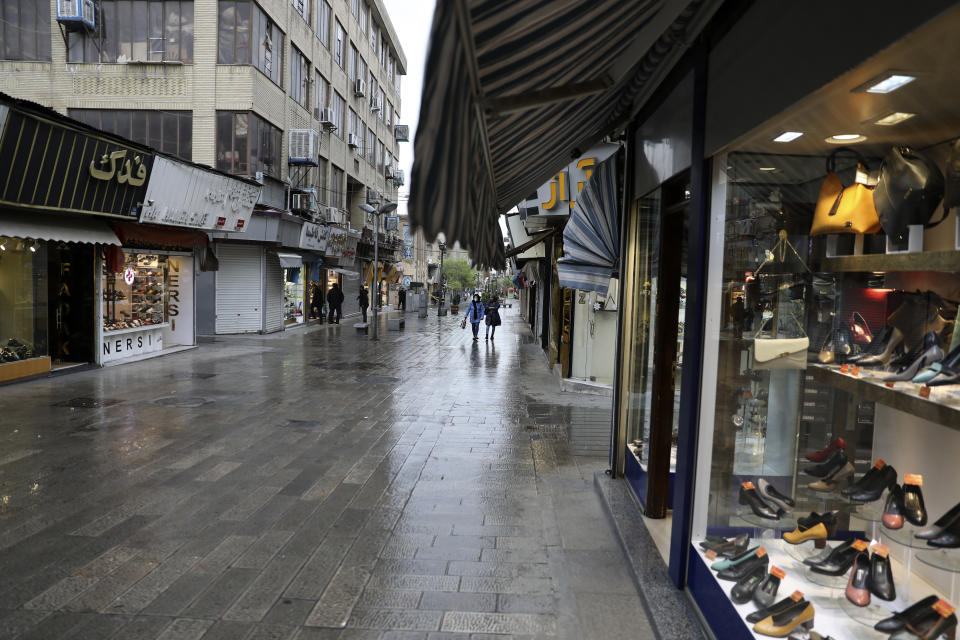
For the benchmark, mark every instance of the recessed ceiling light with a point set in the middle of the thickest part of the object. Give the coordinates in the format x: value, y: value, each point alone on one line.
x: 889, y: 82
x: 894, y: 118
x: 768, y: 168
x: 846, y: 138
x: 788, y: 136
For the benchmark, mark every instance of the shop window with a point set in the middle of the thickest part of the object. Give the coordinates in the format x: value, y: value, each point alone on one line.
x: 25, y: 30
x: 299, y: 77
x: 338, y: 43
x: 136, y: 296
x: 246, y: 35
x: 139, y: 30
x: 247, y: 144
x: 323, y: 22
x: 337, y: 185
x: 23, y: 300
x: 339, y: 106
x: 293, y: 295
x: 168, y: 131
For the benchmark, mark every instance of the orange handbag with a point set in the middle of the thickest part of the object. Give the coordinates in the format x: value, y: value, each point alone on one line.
x: 844, y: 209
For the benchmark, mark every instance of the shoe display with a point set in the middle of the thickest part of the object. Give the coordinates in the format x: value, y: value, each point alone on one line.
x: 860, y: 329
x: 866, y: 478
x: 858, y: 586
x: 742, y: 591
x: 782, y: 624
x: 727, y: 548
x: 816, y: 527
x: 728, y: 562
x: 914, y: 509
x: 922, y: 355
x: 892, y: 517
x: 872, y: 490
x: 765, y: 592
x: 838, y: 443
x: 876, y: 346
x: 737, y: 571
x: 837, y: 480
x: 886, y: 352
x: 881, y: 577
x: 836, y: 460
x: 946, y: 376
x: 772, y: 496
x: 912, y: 614
x: 749, y: 496
x: 949, y: 537
x: 838, y: 562
x: 942, y: 523
x: 774, y: 609
x: 820, y: 557
x: 952, y: 361
x: 930, y: 628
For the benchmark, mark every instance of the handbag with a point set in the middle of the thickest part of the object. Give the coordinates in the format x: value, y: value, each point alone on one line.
x: 844, y: 209
x: 780, y: 353
x: 910, y: 188
x: 463, y: 323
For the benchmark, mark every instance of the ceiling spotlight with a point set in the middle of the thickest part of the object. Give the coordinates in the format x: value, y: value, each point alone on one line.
x: 3, y: 244
x: 888, y: 82
x: 845, y: 138
x: 788, y: 136
x: 768, y: 168
x: 33, y: 248
x: 894, y: 118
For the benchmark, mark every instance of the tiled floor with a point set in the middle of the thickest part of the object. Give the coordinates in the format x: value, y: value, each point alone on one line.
x: 313, y: 484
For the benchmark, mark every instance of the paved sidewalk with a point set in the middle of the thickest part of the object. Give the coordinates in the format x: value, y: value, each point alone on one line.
x: 313, y: 484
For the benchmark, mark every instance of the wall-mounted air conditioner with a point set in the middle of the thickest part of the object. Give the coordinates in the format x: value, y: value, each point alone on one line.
x: 326, y: 118
x: 373, y: 196
x: 353, y: 140
x: 303, y: 202
x: 77, y: 14
x: 360, y: 88
x: 376, y: 105
x: 398, y: 177
x: 388, y: 173
x: 401, y: 132
x: 303, y: 146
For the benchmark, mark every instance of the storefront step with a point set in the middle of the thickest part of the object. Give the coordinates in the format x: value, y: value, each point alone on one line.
x: 147, y: 356
x: 586, y: 386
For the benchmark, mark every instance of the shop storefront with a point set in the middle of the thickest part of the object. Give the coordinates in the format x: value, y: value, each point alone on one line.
x: 342, y: 268
x: 308, y: 285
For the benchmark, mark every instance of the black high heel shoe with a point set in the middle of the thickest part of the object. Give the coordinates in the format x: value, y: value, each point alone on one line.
x: 879, y: 344
x: 912, y: 614
x: 942, y: 523
x: 750, y: 497
x: 913, y: 508
x: 923, y: 354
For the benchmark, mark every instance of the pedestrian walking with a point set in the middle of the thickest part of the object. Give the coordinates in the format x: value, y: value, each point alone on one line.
x: 364, y: 300
x: 475, y: 315
x: 492, y: 316
x: 402, y: 299
x: 335, y: 303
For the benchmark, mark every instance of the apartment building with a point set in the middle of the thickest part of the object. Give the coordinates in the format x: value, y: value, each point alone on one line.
x: 224, y: 83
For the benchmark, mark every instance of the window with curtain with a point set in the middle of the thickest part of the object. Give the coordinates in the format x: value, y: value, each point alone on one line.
x: 383, y: 52
x: 168, y: 131
x: 388, y: 114
x: 352, y: 63
x: 339, y: 106
x: 324, y: 11
x: 371, y: 145
x: 336, y: 187
x: 246, y: 144
x: 364, y: 16
x: 380, y: 156
x: 147, y: 30
x: 299, y: 77
x: 246, y: 35
x: 25, y: 30
x: 303, y: 8
x: 340, y: 35
x: 355, y: 8
x: 374, y: 37
x: 321, y: 91
x: 322, y: 183
x: 383, y: 104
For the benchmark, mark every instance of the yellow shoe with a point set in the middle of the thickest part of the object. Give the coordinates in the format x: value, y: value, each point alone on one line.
x: 782, y: 624
x: 818, y: 532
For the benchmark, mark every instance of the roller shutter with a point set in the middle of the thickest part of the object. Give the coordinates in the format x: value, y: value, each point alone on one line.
x: 273, y: 304
x: 239, y: 289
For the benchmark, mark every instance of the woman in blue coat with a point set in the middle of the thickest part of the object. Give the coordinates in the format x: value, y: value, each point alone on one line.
x: 475, y: 314
x: 492, y: 316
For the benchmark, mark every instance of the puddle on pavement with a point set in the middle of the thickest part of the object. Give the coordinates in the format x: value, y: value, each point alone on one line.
x: 586, y: 430
x: 86, y: 403
x: 182, y: 402
x: 377, y: 379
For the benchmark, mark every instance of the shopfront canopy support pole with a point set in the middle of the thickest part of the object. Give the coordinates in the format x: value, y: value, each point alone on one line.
x: 697, y: 248
x: 382, y: 209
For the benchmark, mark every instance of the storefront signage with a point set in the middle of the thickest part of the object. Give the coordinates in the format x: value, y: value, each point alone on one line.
x: 558, y: 196
x: 314, y: 236
x: 47, y: 166
x: 128, y: 275
x: 131, y: 342
x: 336, y: 241
x: 182, y: 195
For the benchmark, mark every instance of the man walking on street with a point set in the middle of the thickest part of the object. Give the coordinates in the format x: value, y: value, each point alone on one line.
x: 334, y: 302
x: 364, y: 300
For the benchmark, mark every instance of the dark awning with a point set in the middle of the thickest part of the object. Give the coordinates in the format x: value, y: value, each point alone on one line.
x: 512, y: 87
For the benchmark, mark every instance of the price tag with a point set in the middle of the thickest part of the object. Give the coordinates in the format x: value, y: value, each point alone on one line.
x: 860, y: 545
x: 855, y: 372
x: 761, y: 552
x: 881, y: 550
x: 879, y: 464
x: 796, y: 596
x: 711, y: 555
x: 943, y: 608
x: 777, y: 572
x: 845, y: 368
x: 747, y: 395
x: 924, y: 391
x: 913, y: 478
x: 889, y: 384
x: 747, y: 486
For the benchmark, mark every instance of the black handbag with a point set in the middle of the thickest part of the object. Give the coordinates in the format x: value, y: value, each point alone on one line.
x: 908, y: 192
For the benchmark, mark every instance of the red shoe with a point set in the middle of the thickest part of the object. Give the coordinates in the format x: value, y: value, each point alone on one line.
x: 820, y: 456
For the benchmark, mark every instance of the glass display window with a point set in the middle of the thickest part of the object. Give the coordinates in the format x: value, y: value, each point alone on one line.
x: 137, y: 295
x: 23, y: 300
x: 293, y: 296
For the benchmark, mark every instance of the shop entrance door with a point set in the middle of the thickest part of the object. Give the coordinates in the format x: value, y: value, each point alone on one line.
x: 71, y: 288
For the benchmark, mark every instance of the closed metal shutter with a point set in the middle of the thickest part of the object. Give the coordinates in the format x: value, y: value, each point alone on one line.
x: 239, y: 289
x: 273, y: 305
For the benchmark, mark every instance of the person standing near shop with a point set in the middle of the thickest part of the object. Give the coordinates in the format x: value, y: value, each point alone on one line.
x: 492, y: 316
x: 364, y: 300
x: 402, y: 299
x: 335, y: 303
x: 475, y: 315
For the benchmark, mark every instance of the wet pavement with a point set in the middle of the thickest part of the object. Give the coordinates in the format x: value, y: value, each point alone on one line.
x: 310, y: 484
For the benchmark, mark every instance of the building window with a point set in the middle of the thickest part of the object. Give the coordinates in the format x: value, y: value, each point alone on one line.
x: 362, y: 132
x: 323, y: 22
x: 388, y: 161
x: 336, y: 187
x: 383, y: 52
x: 396, y: 81
x: 322, y: 182
x: 371, y: 147
x: 146, y: 30
x: 388, y: 116
x: 167, y: 131
x: 380, y: 156
x: 352, y: 64
x: 303, y: 8
x: 372, y: 89
x: 299, y: 77
x: 383, y: 102
x: 338, y: 44
x: 364, y: 15
x: 237, y: 44
x: 352, y: 122
x: 25, y: 30
x: 355, y: 8
x: 247, y: 144
x: 339, y: 106
x: 321, y: 92
x: 374, y: 37
x: 361, y: 68
x: 390, y: 66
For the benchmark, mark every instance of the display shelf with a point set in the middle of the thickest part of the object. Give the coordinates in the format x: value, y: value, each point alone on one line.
x: 145, y: 327
x: 868, y: 615
x: 945, y: 261
x: 904, y: 536
x: 943, y: 559
x: 800, y: 552
x: 838, y: 583
x: 943, y: 406
x: 783, y: 524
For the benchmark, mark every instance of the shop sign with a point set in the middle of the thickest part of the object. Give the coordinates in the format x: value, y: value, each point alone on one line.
x: 558, y: 196
x: 45, y: 165
x: 129, y: 275
x: 314, y: 236
x: 182, y: 195
x: 130, y: 343
x: 336, y: 241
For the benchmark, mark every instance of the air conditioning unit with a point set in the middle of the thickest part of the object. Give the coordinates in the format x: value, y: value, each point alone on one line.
x: 388, y: 173
x: 398, y: 177
x: 401, y: 133
x: 360, y: 88
x: 373, y: 196
x: 77, y: 14
x: 376, y: 105
x: 353, y: 140
x: 326, y: 118
x: 303, y: 146
x: 303, y: 202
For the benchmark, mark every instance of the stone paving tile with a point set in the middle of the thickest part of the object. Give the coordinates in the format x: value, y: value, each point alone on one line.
x: 536, y: 586
x: 213, y: 602
x: 476, y: 622
x: 446, y: 601
x: 415, y: 583
x: 499, y: 569
x: 185, y: 629
x: 374, y: 598
x: 289, y: 611
x: 395, y: 619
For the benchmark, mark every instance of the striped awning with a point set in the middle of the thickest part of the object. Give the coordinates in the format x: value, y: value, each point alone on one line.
x: 591, y: 239
x: 513, y: 87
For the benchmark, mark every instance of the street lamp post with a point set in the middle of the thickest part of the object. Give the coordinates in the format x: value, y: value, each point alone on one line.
x: 443, y: 248
x: 386, y: 208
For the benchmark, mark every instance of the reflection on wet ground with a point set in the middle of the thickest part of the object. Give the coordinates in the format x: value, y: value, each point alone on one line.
x: 313, y: 484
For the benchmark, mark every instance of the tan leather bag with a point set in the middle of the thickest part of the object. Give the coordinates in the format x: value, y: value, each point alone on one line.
x: 844, y: 209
